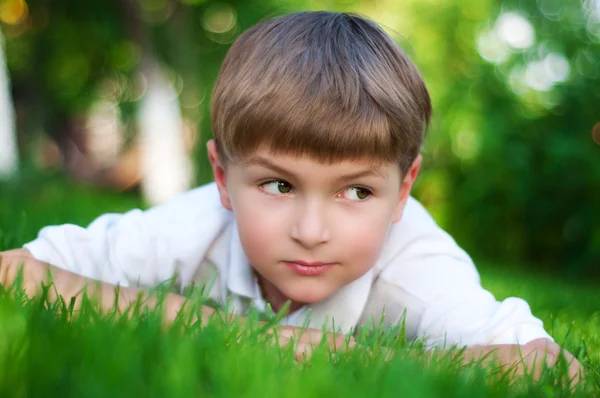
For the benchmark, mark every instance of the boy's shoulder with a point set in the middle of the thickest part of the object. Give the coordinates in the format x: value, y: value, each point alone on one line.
x: 204, y: 198
x: 195, y: 214
x: 198, y: 206
x: 416, y: 234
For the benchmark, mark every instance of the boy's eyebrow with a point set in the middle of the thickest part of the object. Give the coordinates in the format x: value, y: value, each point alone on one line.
x: 262, y: 161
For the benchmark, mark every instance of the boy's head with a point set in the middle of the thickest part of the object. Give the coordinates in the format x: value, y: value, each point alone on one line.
x: 328, y: 85
x: 303, y: 102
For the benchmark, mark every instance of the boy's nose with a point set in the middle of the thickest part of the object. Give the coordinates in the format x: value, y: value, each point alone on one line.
x: 310, y: 227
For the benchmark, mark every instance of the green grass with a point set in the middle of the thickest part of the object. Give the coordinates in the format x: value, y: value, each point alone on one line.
x: 570, y: 308
x: 47, y: 351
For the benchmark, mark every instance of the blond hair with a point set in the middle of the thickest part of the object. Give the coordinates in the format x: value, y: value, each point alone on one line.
x: 332, y: 86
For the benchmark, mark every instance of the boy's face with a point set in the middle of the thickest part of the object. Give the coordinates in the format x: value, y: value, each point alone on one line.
x: 293, y: 210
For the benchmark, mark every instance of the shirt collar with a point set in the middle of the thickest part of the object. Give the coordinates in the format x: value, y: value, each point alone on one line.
x: 240, y: 278
x: 339, y: 312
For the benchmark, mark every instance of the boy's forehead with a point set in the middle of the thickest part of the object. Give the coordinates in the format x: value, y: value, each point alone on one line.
x: 296, y: 162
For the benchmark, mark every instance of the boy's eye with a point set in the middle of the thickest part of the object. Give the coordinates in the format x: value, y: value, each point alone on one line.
x: 277, y: 187
x: 357, y: 193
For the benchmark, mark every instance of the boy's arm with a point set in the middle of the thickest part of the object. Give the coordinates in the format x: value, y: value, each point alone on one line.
x: 427, y: 277
x: 70, y: 285
x: 530, y: 358
x: 138, y: 248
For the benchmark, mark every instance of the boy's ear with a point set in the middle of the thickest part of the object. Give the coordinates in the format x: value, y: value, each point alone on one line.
x: 406, y: 187
x: 219, y: 174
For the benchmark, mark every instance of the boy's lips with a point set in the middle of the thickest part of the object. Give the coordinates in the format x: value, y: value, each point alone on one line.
x: 308, y: 263
x: 306, y: 268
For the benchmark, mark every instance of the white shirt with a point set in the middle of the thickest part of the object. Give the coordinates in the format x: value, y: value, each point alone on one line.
x: 421, y: 276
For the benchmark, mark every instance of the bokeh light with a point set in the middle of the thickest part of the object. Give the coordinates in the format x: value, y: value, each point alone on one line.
x: 219, y: 18
x: 511, y: 32
x: 544, y: 74
x: 592, y: 10
x: 13, y: 12
x: 515, y: 30
x: 156, y: 11
x: 596, y: 133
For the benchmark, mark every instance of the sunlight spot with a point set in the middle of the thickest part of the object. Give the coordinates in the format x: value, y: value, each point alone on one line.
x: 516, y: 80
x: 466, y: 145
x: 537, y: 77
x: 596, y: 133
x: 592, y: 8
x: 557, y: 67
x: 515, y: 30
x: 9, y: 155
x: 511, y: 32
x: 219, y: 18
x: 592, y: 11
x: 492, y: 48
x: 543, y: 75
x: 166, y: 167
x: 105, y: 133
x: 13, y: 12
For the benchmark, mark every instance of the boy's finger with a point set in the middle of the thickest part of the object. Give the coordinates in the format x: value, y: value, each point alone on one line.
x: 303, y: 351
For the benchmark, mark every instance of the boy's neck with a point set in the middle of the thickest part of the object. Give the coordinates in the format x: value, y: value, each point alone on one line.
x: 272, y: 295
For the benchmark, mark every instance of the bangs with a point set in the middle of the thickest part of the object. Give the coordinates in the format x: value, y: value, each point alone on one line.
x: 294, y: 122
x: 327, y: 86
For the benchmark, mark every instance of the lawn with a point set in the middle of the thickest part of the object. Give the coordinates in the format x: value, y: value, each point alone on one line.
x: 46, y: 351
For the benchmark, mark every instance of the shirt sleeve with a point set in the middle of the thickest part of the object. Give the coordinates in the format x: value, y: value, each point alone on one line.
x: 437, y: 284
x: 137, y: 248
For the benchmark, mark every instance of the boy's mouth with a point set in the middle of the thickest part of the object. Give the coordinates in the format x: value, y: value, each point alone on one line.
x: 308, y: 263
x: 306, y: 268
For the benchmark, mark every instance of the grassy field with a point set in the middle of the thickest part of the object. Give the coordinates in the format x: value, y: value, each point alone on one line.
x: 45, y: 351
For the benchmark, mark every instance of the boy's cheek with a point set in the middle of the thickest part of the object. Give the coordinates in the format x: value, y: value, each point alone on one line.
x: 368, y: 248
x: 258, y: 229
x: 264, y: 231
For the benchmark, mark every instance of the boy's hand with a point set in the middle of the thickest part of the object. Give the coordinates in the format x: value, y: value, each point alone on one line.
x: 306, y: 339
x: 20, y: 260
x: 69, y: 285
x: 529, y: 358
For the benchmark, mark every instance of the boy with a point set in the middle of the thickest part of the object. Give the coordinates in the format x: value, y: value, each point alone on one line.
x: 318, y: 120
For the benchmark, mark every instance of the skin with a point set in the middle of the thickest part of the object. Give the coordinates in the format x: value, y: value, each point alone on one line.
x: 324, y: 217
x: 319, y: 218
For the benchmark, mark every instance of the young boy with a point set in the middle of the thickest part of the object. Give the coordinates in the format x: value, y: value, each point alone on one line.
x: 318, y: 120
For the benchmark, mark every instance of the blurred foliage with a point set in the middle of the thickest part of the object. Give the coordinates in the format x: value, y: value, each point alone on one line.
x: 522, y: 177
x: 42, y: 199
x: 510, y: 167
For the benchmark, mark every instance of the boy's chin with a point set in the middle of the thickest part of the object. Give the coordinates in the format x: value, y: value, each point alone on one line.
x: 312, y: 296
